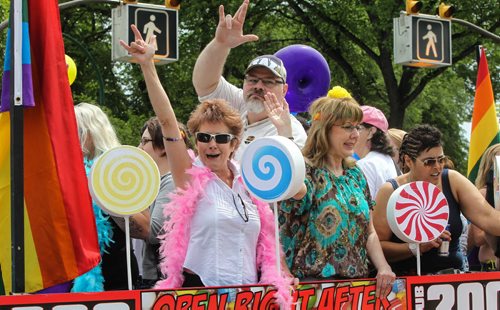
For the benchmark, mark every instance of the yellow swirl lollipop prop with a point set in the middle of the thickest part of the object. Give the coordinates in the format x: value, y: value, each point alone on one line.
x: 124, y: 181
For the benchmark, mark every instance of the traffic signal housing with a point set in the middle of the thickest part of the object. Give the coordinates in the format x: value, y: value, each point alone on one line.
x: 413, y: 7
x: 445, y: 11
x: 173, y: 4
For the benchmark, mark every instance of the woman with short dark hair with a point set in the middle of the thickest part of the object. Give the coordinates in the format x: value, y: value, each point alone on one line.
x: 423, y: 158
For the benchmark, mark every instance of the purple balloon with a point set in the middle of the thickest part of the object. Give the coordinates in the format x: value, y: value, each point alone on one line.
x: 308, y: 75
x: 59, y: 288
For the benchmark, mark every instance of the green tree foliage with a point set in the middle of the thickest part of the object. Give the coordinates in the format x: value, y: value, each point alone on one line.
x: 355, y: 36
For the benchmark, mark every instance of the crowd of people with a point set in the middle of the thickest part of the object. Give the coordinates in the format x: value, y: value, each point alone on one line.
x: 206, y: 229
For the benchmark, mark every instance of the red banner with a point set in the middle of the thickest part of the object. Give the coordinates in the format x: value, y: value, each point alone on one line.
x: 461, y: 291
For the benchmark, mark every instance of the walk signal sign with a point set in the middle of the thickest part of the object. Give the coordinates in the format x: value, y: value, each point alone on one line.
x: 422, y: 41
x: 150, y: 20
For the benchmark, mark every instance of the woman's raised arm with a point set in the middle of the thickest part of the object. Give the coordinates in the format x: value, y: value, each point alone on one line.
x: 178, y: 157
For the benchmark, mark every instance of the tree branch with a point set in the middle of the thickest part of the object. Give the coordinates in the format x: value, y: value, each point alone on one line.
x: 319, y: 13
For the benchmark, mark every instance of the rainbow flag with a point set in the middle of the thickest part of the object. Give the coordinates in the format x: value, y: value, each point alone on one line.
x: 60, y: 232
x: 28, y: 100
x: 484, y: 132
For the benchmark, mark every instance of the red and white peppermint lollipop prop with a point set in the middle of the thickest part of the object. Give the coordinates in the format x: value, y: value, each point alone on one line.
x: 417, y: 212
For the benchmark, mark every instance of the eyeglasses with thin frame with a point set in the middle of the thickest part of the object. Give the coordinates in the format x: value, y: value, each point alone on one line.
x: 220, y: 138
x: 350, y: 127
x: 270, y: 83
x: 144, y: 140
x: 245, y: 217
x: 430, y: 162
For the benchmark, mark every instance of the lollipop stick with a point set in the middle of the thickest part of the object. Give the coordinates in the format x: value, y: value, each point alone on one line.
x: 127, y: 240
x: 277, y: 237
x: 418, y: 259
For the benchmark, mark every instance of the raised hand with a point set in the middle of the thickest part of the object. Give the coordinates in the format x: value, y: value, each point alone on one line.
x: 279, y: 113
x: 141, y: 51
x: 230, y: 29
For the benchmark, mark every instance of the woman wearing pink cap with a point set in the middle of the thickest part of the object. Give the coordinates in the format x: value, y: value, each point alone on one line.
x: 374, y: 149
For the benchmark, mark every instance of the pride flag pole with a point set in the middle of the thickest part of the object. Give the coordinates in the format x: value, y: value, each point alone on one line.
x: 17, y: 148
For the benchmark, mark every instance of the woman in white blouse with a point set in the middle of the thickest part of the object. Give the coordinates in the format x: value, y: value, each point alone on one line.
x: 217, y: 234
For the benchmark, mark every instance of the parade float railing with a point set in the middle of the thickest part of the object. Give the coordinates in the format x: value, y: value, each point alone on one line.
x: 452, y: 291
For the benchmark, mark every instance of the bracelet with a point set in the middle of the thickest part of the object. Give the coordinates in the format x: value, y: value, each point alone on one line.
x: 169, y: 139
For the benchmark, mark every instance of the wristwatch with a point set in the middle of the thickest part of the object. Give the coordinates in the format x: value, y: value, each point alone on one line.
x: 413, y: 248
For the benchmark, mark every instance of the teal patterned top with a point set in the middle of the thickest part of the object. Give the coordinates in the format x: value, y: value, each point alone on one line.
x: 324, y: 235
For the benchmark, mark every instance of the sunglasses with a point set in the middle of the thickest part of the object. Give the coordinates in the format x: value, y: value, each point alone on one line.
x: 430, y: 162
x: 243, y: 216
x: 220, y: 138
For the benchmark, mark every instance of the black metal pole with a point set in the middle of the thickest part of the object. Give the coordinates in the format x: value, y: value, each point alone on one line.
x: 16, y: 153
x: 477, y: 29
x: 478, y: 55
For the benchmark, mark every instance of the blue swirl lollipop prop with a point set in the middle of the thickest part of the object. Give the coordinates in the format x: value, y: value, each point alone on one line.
x: 273, y: 169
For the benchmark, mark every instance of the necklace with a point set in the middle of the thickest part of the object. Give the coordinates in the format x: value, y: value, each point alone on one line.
x: 245, y: 217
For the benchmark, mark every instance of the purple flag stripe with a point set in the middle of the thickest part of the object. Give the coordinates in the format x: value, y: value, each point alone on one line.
x: 28, y: 100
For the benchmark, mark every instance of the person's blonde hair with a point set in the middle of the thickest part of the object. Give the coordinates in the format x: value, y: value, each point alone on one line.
x: 486, y: 165
x: 94, y: 124
x: 325, y: 113
x: 396, y: 136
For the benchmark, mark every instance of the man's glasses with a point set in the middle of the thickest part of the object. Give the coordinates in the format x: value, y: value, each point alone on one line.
x: 430, y: 162
x: 144, y: 141
x: 350, y: 127
x: 251, y: 80
x: 220, y: 138
x: 245, y: 216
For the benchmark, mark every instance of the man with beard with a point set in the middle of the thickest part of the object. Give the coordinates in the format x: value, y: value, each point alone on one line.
x: 265, y: 76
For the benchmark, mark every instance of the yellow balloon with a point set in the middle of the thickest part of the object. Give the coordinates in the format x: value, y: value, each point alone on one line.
x: 70, y: 64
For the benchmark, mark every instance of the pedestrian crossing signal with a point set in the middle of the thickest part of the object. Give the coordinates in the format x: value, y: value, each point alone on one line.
x: 151, y: 20
x: 422, y: 41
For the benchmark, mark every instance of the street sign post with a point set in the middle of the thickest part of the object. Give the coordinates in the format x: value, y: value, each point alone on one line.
x: 150, y: 20
x: 422, y: 41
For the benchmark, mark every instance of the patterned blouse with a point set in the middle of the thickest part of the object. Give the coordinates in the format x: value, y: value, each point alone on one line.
x: 324, y: 235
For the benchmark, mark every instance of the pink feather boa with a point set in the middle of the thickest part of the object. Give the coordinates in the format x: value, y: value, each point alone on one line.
x: 176, y: 238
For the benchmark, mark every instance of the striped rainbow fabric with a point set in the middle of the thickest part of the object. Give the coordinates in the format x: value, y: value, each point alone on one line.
x: 484, y: 131
x: 60, y: 233
x: 28, y: 100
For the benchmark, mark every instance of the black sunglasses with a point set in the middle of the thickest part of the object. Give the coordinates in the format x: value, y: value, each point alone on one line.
x: 430, y: 162
x: 243, y: 216
x: 220, y: 138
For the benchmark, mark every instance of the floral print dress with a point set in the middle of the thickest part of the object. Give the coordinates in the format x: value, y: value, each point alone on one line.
x: 324, y: 235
